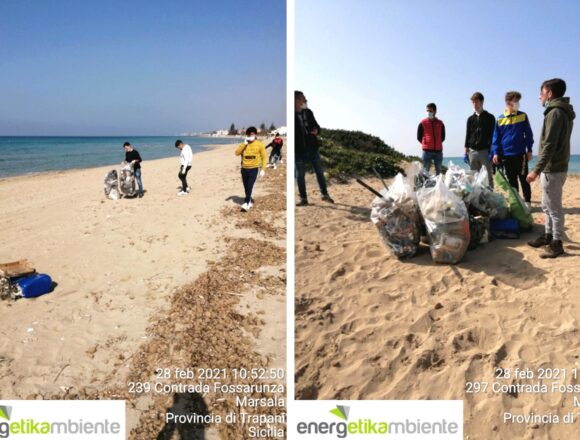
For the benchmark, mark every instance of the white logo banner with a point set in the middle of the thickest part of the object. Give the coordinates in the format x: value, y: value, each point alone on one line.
x: 375, y: 419
x: 62, y: 419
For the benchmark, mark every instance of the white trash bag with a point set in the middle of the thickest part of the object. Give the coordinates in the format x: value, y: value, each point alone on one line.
x: 112, y: 185
x: 397, y: 217
x: 127, y: 182
x: 484, y: 199
x: 447, y: 222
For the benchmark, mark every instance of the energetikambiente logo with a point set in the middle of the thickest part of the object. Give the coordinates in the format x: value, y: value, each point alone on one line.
x: 14, y: 422
x: 376, y: 426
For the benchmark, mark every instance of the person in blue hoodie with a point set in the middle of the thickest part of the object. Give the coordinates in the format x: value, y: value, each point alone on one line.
x: 512, y: 144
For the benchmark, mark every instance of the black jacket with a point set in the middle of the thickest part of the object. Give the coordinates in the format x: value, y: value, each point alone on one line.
x: 131, y: 156
x: 479, y: 134
x: 305, y: 142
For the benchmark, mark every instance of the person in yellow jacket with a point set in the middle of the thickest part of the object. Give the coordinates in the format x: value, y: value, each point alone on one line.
x: 254, y: 157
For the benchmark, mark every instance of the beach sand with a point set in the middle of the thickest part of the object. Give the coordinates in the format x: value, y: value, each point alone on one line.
x: 125, y: 271
x: 371, y: 327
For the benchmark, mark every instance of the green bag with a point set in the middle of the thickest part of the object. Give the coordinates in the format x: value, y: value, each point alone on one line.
x: 518, y: 209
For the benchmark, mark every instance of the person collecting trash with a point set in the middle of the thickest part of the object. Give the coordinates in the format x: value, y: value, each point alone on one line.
x: 185, y: 159
x: 132, y: 156
x: 254, y: 157
x: 276, y: 154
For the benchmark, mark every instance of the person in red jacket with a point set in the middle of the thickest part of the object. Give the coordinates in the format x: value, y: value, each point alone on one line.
x: 431, y: 134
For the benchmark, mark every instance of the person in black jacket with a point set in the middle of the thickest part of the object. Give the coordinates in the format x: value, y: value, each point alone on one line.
x: 276, y: 154
x: 479, y: 136
x: 306, y: 130
x: 133, y: 156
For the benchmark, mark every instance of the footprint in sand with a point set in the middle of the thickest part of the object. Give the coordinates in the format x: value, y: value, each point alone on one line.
x: 466, y: 340
x: 338, y: 273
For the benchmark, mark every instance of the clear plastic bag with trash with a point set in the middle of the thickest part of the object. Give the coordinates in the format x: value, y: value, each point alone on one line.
x: 7, y: 289
x: 484, y: 199
x: 397, y: 217
x: 458, y: 180
x: 112, y: 185
x: 447, y: 222
x: 127, y: 182
x: 421, y: 178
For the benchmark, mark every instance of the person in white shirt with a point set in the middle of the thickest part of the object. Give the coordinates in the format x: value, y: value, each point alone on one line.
x: 185, y: 165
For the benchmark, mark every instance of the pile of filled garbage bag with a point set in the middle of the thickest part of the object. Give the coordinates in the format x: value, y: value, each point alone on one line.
x: 452, y: 212
x: 122, y: 183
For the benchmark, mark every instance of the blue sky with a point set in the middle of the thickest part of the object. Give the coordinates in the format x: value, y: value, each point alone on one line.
x: 374, y: 65
x: 140, y: 67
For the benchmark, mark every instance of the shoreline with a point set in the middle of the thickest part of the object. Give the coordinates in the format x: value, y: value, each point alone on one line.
x: 205, y: 148
x: 118, y: 265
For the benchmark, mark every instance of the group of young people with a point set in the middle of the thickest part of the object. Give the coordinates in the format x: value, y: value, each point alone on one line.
x: 253, y: 157
x: 133, y: 157
x: 506, y: 143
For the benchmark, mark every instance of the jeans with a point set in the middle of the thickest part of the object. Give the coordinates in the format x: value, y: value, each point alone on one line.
x: 516, y: 169
x: 275, y: 155
x: 249, y: 176
x: 314, y: 159
x: 479, y: 158
x: 552, y: 184
x: 183, y: 177
x: 138, y: 177
x: 432, y: 156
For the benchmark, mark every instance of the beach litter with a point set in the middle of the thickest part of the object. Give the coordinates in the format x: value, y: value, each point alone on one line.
x: 121, y: 183
x: 127, y: 183
x: 18, y: 279
x: 447, y: 222
x: 397, y: 218
x: 518, y: 209
x: 505, y: 228
x: 459, y: 181
x: 478, y: 231
x: 459, y: 210
x: 112, y: 185
x: 483, y: 199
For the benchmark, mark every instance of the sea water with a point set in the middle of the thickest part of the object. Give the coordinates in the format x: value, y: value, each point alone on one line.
x: 573, y: 165
x: 26, y: 155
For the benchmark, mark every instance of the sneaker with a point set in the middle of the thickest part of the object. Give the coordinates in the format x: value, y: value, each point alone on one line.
x: 302, y: 202
x: 181, y: 193
x: 327, y: 198
x: 542, y: 240
x: 188, y: 189
x: 275, y: 166
x: 553, y: 250
x: 244, y: 207
x: 250, y: 205
x: 140, y: 195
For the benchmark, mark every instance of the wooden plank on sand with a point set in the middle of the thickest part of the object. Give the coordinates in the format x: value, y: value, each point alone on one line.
x: 18, y: 268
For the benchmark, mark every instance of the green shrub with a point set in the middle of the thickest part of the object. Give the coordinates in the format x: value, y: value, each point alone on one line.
x: 346, y: 154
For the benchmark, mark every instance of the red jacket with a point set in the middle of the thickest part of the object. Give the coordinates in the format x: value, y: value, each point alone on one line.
x: 431, y: 134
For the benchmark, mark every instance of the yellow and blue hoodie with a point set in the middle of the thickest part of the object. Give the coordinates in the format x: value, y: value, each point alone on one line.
x: 253, y: 155
x: 512, y: 135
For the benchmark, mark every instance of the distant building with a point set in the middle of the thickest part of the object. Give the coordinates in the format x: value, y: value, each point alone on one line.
x: 282, y: 131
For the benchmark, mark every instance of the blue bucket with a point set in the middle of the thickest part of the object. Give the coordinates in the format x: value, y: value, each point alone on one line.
x: 34, y: 285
